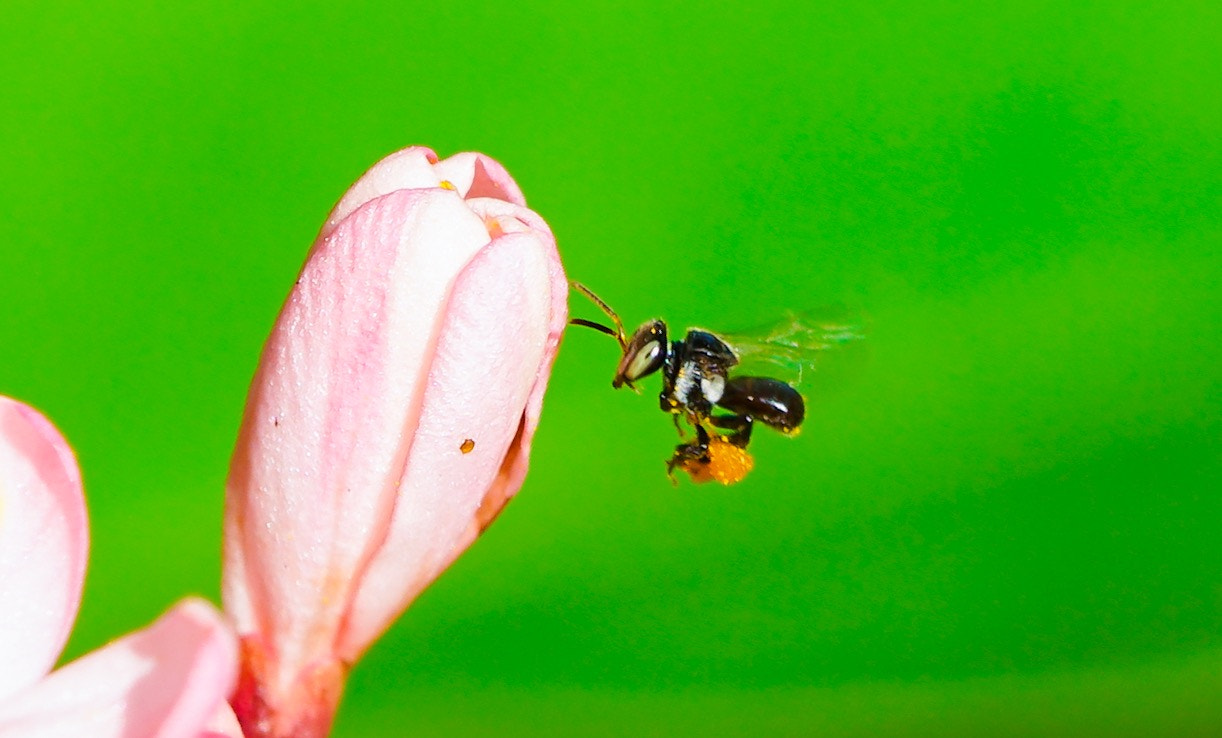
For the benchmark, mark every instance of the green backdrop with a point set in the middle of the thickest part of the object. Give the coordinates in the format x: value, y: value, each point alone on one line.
x: 1003, y: 518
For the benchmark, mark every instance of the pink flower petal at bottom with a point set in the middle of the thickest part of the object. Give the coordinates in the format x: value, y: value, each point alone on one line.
x: 44, y: 543
x: 165, y: 681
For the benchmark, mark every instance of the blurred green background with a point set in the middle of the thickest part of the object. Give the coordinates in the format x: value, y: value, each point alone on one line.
x: 1004, y: 521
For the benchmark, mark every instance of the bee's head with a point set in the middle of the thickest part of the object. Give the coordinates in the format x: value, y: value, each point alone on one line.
x: 644, y: 354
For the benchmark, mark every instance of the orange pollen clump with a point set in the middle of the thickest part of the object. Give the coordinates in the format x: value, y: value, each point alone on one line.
x: 727, y: 463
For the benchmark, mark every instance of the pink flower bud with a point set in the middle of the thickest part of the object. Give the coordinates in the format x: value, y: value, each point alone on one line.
x: 389, y: 420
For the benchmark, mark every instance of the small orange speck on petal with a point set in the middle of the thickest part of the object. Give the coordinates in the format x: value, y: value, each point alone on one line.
x: 468, y: 445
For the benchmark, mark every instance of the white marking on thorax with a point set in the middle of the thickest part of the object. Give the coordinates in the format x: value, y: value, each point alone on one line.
x: 685, y: 381
x: 713, y: 387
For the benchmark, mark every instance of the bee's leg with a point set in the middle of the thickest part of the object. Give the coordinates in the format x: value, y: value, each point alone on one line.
x: 739, y: 426
x: 696, y: 451
x: 695, y: 420
x: 702, y: 439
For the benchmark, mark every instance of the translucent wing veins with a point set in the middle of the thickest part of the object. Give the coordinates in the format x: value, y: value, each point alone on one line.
x: 790, y: 347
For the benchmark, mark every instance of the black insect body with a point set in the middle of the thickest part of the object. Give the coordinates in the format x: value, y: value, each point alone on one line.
x: 697, y: 378
x: 695, y: 373
x: 770, y: 401
x: 696, y: 383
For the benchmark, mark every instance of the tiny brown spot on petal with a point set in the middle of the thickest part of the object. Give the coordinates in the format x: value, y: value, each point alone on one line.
x: 468, y: 445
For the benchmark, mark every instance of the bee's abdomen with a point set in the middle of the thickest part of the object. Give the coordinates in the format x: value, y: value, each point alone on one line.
x: 770, y: 401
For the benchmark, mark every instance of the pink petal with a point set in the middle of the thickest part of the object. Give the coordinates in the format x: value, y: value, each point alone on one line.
x: 222, y: 724
x: 409, y: 169
x: 472, y: 175
x: 475, y: 175
x: 331, y: 415
x: 44, y: 544
x: 494, y: 347
x: 164, y: 681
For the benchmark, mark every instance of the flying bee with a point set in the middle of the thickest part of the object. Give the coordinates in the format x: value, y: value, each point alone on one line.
x: 697, y: 385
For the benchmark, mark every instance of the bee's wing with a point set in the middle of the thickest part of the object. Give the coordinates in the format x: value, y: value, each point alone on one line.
x: 791, y: 348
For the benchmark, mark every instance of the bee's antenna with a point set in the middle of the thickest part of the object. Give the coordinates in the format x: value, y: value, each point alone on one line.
x: 596, y: 326
x: 618, y: 333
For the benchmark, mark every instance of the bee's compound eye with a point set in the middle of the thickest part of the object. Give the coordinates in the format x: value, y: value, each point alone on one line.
x: 645, y: 359
x: 644, y: 354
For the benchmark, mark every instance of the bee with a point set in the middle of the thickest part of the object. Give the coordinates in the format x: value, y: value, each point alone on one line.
x: 700, y: 386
